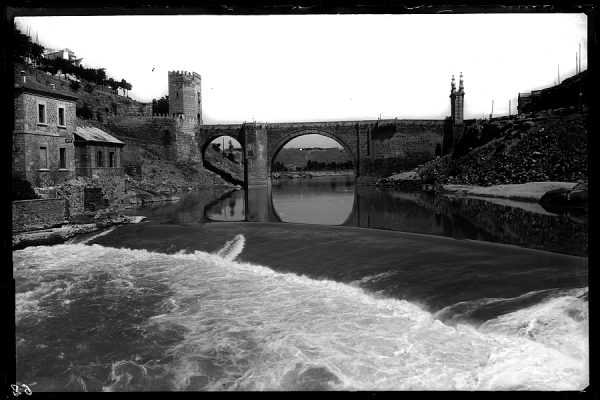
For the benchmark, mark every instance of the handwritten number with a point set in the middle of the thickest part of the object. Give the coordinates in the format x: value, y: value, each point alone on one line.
x: 27, y: 390
x: 17, y: 390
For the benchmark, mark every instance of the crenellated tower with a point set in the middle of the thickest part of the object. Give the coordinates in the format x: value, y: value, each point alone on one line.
x: 185, y: 95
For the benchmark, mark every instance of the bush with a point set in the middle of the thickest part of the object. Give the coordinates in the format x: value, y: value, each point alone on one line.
x: 22, y: 190
x: 84, y: 112
x: 74, y: 85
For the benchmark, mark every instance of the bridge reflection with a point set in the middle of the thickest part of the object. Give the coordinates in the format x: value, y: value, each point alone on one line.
x: 491, y: 220
x: 343, y: 203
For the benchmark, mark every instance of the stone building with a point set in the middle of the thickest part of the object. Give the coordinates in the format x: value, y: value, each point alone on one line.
x: 43, y: 151
x: 97, y: 153
x: 65, y: 54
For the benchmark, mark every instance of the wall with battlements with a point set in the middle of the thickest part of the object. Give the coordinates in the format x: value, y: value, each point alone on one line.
x: 171, y: 138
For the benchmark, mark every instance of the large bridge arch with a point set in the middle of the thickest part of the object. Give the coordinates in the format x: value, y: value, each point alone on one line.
x: 278, y: 143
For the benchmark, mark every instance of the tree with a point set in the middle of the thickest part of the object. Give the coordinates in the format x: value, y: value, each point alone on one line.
x: 126, y: 86
x: 160, y: 106
x: 74, y: 85
x: 22, y: 190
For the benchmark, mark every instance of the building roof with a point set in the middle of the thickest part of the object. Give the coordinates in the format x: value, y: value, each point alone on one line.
x: 90, y: 133
x: 32, y: 86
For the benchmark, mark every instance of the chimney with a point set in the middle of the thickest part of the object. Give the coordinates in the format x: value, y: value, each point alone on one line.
x: 23, y: 76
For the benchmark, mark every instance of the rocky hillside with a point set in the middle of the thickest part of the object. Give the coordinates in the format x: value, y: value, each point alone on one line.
x: 542, y: 146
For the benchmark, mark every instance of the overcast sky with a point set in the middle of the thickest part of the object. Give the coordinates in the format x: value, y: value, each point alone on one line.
x: 328, y: 67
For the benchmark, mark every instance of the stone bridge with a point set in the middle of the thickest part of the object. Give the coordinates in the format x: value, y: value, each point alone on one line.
x: 411, y: 142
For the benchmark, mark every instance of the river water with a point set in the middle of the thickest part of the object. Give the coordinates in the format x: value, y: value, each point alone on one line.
x: 330, y: 287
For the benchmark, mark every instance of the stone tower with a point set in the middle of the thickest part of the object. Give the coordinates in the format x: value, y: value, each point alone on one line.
x: 457, y: 101
x: 185, y: 95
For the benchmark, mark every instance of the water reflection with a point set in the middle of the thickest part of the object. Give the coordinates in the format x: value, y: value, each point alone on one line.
x: 230, y: 208
x: 320, y: 200
x: 338, y: 201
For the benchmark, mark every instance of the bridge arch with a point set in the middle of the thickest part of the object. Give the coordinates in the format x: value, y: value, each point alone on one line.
x: 278, y: 145
x: 231, y: 170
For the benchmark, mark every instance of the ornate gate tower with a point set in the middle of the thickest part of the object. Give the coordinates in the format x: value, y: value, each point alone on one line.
x: 185, y: 95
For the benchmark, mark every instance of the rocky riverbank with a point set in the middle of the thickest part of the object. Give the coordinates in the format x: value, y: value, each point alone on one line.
x: 522, y: 157
x: 86, y: 223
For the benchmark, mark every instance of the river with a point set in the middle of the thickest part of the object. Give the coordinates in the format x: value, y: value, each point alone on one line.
x: 330, y: 287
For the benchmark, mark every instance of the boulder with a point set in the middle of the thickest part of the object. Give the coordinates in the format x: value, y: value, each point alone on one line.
x: 559, y: 200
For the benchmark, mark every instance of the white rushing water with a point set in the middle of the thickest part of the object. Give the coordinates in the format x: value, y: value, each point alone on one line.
x: 248, y: 327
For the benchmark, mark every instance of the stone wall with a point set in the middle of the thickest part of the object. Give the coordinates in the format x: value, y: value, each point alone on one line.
x: 187, y: 147
x: 158, y: 135
x: 37, y: 214
x: 409, y: 140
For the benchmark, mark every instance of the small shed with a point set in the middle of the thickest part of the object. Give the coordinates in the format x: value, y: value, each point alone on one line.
x: 97, y: 153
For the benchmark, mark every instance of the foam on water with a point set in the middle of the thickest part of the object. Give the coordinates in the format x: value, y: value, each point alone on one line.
x: 247, y: 327
x: 232, y: 248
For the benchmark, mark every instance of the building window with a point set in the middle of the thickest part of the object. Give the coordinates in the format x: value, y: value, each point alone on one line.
x: 99, y: 159
x: 61, y: 116
x: 43, y: 158
x: 111, y: 159
x: 41, y: 114
x: 63, y: 158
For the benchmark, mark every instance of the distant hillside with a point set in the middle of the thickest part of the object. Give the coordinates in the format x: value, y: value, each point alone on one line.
x: 293, y: 158
x: 544, y: 146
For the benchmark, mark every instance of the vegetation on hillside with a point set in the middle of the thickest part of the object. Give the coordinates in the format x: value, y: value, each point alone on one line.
x: 28, y: 51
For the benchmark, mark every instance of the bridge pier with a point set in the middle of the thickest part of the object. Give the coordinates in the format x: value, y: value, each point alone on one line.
x: 256, y: 164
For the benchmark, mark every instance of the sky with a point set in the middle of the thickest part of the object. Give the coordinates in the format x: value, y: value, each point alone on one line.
x: 277, y: 68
